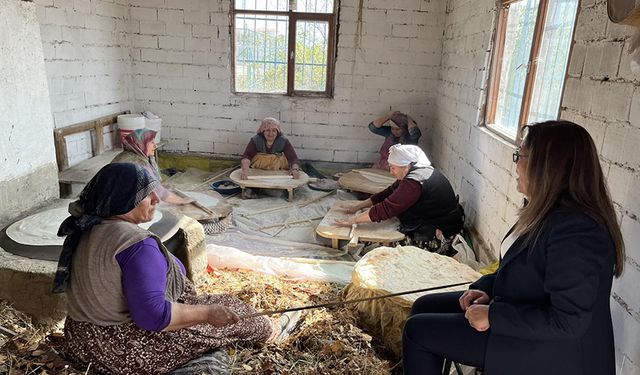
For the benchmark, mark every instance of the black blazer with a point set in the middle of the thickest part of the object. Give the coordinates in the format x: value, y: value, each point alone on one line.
x: 550, y: 309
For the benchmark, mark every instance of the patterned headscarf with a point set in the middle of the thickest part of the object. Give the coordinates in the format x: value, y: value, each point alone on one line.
x: 115, y: 190
x: 400, y: 120
x: 138, y: 141
x: 269, y: 123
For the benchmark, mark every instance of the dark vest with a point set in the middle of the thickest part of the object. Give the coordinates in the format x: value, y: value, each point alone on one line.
x: 277, y: 147
x: 437, y: 207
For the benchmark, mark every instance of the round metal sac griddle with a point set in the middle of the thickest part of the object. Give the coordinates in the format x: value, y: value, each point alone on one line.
x: 165, y: 228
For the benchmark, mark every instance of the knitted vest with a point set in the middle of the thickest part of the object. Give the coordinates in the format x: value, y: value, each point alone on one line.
x: 95, y: 292
x: 276, y: 148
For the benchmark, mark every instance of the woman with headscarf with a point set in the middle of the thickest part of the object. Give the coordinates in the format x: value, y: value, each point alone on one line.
x: 131, y: 310
x: 421, y: 198
x: 271, y: 150
x: 403, y: 129
x: 546, y: 310
x: 139, y: 148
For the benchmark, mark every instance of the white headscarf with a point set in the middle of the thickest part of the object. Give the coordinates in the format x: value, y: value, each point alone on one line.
x: 403, y: 155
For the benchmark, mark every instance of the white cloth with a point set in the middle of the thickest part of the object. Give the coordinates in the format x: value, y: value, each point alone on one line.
x: 403, y: 155
x: 507, y: 243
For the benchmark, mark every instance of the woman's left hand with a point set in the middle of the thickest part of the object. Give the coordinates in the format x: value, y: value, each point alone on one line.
x: 295, y: 173
x: 186, y: 200
x: 346, y: 222
x: 219, y: 315
x: 478, y: 317
x: 411, y: 122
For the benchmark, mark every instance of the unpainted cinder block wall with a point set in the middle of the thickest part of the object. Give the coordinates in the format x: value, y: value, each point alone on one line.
x: 388, y: 57
x: 28, y: 173
x: 602, y: 94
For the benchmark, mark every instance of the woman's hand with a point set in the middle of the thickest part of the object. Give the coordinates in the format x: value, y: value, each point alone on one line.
x: 473, y: 297
x: 244, y: 166
x: 176, y: 199
x: 184, y: 316
x: 295, y: 172
x: 346, y: 222
x: 186, y: 200
x: 411, y: 122
x: 478, y: 317
x: 218, y: 316
x: 351, y: 207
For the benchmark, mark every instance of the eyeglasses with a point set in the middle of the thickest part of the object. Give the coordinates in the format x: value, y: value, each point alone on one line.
x: 517, y: 155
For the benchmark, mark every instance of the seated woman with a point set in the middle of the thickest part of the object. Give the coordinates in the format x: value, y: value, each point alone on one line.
x: 421, y: 197
x: 546, y: 310
x: 271, y: 150
x: 131, y: 310
x: 139, y: 147
x: 403, y: 130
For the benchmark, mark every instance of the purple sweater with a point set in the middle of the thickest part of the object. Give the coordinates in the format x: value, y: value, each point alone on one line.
x: 144, y: 280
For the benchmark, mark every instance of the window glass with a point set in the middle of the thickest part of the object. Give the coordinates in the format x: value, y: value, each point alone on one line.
x: 311, y: 56
x: 521, y: 23
x: 553, y: 60
x: 261, y: 53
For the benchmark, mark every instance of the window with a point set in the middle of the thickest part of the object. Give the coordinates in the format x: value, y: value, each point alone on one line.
x: 531, y: 54
x: 284, y: 46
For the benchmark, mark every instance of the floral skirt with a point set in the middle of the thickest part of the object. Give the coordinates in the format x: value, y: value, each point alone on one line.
x: 127, y: 349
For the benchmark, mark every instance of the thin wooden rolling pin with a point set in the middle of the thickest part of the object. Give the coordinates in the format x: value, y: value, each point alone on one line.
x: 340, y: 303
x: 194, y: 202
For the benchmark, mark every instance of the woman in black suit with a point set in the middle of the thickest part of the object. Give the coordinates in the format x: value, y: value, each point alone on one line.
x: 546, y: 309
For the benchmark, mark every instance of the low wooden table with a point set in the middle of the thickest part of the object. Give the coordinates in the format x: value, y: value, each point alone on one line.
x: 384, y: 232
x: 263, y: 179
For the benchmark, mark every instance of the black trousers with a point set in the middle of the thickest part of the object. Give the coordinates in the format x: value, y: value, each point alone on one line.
x: 437, y: 329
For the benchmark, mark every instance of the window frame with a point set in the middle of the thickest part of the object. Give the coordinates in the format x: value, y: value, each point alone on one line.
x: 532, y: 67
x: 294, y: 17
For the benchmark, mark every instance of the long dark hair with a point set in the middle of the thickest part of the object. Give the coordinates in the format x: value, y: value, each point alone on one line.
x: 564, y: 170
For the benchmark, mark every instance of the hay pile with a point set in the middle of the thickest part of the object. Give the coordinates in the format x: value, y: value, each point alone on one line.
x: 31, y: 350
x: 325, y: 342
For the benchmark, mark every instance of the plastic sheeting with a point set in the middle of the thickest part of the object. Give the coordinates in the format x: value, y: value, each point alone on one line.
x: 260, y: 216
x: 264, y: 245
x: 294, y: 269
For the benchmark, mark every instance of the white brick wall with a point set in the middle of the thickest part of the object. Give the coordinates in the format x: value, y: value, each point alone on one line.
x: 611, y: 115
x: 181, y: 68
x: 601, y: 94
x: 86, y: 51
x: 428, y: 58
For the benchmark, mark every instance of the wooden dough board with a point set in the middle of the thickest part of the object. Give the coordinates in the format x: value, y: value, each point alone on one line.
x: 384, y: 231
x: 264, y: 182
x: 369, y: 180
x: 85, y: 170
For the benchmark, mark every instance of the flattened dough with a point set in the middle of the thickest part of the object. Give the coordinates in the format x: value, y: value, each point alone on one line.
x: 40, y: 229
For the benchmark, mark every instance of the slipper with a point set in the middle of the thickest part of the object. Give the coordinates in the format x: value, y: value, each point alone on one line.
x: 288, y: 322
x: 324, y: 184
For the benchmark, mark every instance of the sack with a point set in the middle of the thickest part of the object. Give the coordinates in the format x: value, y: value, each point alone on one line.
x: 465, y: 253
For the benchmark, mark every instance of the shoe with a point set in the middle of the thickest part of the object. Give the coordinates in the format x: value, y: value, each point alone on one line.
x: 288, y: 322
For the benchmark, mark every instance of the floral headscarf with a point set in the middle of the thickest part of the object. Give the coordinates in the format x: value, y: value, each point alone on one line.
x: 138, y: 141
x: 269, y: 123
x: 115, y: 190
